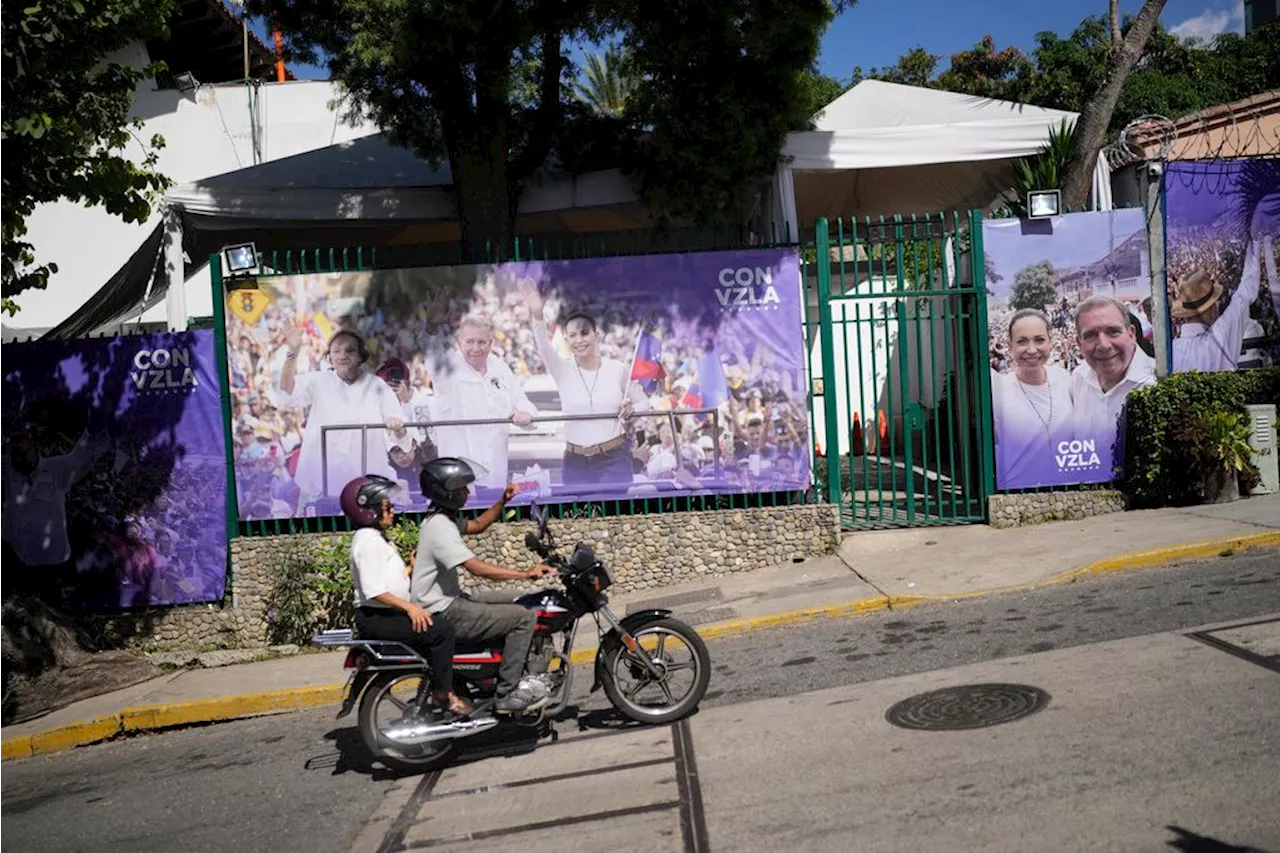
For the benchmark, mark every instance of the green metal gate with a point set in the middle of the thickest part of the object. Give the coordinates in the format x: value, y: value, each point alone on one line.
x: 898, y: 357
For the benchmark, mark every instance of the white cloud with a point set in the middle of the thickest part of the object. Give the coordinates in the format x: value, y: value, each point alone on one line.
x: 1212, y: 22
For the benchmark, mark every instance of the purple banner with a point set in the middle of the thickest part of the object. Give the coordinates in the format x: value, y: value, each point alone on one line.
x: 1069, y: 307
x: 589, y: 379
x: 1222, y: 223
x: 115, y: 470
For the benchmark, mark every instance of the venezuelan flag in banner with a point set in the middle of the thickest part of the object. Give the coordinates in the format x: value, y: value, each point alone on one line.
x: 646, y: 368
x: 319, y: 326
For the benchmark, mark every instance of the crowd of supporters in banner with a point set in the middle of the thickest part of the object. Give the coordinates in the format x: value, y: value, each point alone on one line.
x: 763, y: 424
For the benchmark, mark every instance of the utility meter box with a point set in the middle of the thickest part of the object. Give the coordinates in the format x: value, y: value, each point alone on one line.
x: 1262, y: 438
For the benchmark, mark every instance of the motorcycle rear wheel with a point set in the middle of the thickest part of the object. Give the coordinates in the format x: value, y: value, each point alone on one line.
x: 619, y: 664
x: 397, y: 690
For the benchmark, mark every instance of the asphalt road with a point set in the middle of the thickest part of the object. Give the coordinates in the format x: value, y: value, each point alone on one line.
x: 302, y: 782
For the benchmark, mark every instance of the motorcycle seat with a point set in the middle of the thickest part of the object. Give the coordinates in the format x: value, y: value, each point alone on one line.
x: 476, y: 648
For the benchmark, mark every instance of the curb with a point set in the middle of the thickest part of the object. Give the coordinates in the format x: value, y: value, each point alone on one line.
x: 154, y: 717
x: 144, y: 718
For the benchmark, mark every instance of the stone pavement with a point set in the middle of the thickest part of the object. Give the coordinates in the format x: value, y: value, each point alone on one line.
x: 872, y: 571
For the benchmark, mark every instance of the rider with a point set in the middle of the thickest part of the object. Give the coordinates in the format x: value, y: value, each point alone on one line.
x: 446, y: 483
x: 381, y: 581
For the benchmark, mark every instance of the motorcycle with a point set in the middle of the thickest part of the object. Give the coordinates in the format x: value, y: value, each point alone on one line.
x: 635, y: 653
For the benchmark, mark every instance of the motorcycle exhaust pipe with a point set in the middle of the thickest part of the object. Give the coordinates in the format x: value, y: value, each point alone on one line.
x: 425, y: 732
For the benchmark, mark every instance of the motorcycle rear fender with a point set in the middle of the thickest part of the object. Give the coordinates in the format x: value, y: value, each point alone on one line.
x: 632, y: 622
x: 360, y: 679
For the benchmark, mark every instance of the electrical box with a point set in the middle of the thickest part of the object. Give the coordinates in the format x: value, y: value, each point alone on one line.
x: 1262, y: 438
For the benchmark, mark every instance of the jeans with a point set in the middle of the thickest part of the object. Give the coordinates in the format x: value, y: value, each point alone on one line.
x: 613, y: 468
x: 436, y: 643
x: 475, y: 622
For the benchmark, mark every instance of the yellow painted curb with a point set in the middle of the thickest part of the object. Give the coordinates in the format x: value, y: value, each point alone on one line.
x: 149, y: 717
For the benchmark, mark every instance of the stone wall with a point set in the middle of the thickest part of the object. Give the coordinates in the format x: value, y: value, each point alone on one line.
x: 643, y: 551
x: 1020, y: 510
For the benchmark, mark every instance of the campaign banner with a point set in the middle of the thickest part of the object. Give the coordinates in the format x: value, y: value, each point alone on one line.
x: 1069, y: 311
x: 1222, y: 224
x: 115, y: 470
x: 585, y: 379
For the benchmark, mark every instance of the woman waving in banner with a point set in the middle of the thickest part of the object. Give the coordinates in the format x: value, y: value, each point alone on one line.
x: 597, y: 451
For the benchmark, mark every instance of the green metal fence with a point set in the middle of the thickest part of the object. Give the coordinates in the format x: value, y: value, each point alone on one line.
x: 896, y: 322
x: 282, y: 262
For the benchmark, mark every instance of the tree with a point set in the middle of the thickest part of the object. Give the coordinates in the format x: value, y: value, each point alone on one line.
x: 916, y: 67
x: 1091, y: 129
x: 722, y: 86
x: 66, y: 120
x: 608, y: 82
x: 1033, y: 287
x: 986, y: 72
x: 819, y: 90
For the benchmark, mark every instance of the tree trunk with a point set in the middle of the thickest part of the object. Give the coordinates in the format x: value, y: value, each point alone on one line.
x: 486, y: 207
x: 1091, y: 129
x: 1114, y: 18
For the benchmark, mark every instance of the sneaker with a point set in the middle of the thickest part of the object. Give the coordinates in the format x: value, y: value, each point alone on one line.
x: 520, y: 700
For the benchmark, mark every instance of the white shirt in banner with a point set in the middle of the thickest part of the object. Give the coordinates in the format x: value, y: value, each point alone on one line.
x: 1217, y: 347
x: 35, y: 507
x: 330, y: 401
x: 1097, y: 412
x: 1030, y: 421
x: 583, y: 392
x: 463, y: 393
x: 376, y: 568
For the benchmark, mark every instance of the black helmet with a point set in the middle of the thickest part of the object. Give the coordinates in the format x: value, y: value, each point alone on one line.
x: 362, y: 498
x: 444, y: 481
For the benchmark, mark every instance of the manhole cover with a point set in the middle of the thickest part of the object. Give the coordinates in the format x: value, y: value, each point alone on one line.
x: 974, y: 706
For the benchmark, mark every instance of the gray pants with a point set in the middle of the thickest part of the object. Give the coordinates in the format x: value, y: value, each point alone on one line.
x: 475, y: 622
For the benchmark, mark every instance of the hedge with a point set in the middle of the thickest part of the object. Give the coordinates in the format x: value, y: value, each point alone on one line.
x: 1154, y: 472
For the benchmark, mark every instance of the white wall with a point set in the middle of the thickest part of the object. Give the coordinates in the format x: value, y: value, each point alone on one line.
x: 207, y: 132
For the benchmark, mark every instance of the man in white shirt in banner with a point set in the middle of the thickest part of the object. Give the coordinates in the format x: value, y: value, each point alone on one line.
x: 1211, y: 336
x: 1113, y: 366
x: 473, y: 384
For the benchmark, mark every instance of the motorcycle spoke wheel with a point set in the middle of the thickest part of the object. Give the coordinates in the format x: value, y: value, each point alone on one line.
x: 682, y: 666
x: 386, y: 702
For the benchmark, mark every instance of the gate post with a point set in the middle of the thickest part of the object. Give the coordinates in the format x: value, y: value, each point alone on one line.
x: 978, y: 268
x: 822, y: 245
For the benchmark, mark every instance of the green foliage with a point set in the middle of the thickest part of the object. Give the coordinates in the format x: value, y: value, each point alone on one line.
x: 1174, y: 77
x: 1044, y: 171
x: 487, y: 89
x: 607, y: 82
x: 66, y: 122
x: 1033, y: 287
x: 819, y: 90
x: 1168, y: 437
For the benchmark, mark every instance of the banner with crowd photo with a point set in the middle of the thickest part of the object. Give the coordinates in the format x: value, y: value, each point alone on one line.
x: 1069, y: 308
x: 1222, y: 227
x: 115, y: 470
x: 587, y: 379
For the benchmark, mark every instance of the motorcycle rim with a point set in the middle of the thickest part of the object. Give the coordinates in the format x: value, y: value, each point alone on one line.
x: 680, y: 654
x: 389, y: 698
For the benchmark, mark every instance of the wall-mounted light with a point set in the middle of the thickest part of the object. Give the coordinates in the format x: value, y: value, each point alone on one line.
x: 1042, y: 204
x: 186, y: 81
x: 239, y: 259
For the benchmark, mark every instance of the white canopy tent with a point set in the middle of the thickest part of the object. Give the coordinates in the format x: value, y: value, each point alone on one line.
x: 884, y: 148
x: 361, y: 192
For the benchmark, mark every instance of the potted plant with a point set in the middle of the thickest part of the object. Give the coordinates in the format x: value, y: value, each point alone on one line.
x: 1227, y: 454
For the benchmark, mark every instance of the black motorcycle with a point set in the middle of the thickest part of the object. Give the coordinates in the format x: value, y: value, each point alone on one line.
x: 642, y: 661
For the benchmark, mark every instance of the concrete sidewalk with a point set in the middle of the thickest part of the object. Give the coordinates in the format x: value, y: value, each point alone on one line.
x: 872, y: 571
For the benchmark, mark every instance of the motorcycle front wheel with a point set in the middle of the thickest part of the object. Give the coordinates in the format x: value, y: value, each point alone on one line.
x: 388, y: 698
x: 684, y: 670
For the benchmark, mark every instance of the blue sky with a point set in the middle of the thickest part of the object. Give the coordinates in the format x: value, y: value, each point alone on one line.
x: 874, y: 33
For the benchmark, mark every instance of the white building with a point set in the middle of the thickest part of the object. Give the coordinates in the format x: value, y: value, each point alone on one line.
x: 221, y: 125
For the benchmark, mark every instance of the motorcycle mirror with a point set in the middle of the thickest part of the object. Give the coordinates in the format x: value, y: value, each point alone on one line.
x: 531, y: 542
x: 540, y: 516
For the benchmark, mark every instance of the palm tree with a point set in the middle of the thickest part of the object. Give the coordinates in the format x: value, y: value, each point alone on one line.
x: 1045, y: 170
x: 608, y: 81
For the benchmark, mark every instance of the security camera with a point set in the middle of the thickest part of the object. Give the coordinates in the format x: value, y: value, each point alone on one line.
x: 1155, y: 170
